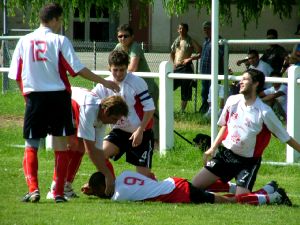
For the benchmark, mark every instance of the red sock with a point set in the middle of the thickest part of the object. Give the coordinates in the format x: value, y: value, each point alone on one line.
x: 218, y: 186
x: 110, y: 167
x: 261, y: 191
x: 252, y: 199
x: 61, y: 167
x: 30, y: 167
x: 75, y: 161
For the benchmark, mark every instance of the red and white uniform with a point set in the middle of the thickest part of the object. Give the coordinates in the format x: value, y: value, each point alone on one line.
x: 85, y: 106
x: 249, y: 128
x: 41, y: 59
x: 135, y: 92
x: 132, y: 186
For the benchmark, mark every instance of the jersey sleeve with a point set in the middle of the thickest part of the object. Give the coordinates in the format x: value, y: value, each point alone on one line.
x: 144, y: 96
x: 136, y: 51
x: 275, y: 126
x: 71, y: 62
x: 86, y: 128
x: 15, y: 68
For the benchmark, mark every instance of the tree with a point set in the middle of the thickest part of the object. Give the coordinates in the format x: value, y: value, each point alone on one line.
x: 248, y: 10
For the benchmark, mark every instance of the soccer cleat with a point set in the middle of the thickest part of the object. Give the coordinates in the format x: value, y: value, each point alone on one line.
x: 69, y: 192
x: 60, y: 199
x: 271, y: 187
x: 50, y: 195
x: 32, y: 197
x: 284, y: 200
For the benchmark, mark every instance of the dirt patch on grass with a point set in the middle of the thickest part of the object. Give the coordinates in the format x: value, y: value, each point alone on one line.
x: 9, y: 121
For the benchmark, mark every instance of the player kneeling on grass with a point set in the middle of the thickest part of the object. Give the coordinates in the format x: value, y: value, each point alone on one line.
x: 91, y: 114
x: 132, y: 186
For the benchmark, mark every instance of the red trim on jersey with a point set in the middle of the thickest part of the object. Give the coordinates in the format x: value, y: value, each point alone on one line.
x: 180, y: 194
x: 63, y: 67
x: 262, y: 140
x: 19, y: 75
x: 139, y: 111
x: 76, y: 113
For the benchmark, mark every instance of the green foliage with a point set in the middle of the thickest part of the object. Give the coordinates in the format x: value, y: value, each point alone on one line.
x: 247, y: 10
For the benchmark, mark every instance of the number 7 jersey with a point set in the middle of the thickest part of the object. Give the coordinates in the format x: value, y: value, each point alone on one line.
x: 41, y: 60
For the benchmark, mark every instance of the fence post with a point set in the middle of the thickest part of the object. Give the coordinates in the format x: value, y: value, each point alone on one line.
x: 166, y: 108
x: 293, y: 119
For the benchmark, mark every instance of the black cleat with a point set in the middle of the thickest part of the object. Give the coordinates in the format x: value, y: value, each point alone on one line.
x: 60, y: 199
x: 284, y: 198
x: 32, y: 197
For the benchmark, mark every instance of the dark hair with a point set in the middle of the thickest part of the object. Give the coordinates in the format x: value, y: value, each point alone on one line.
x: 253, y: 52
x: 185, y: 26
x: 257, y: 76
x: 118, y: 58
x: 272, y: 32
x: 125, y: 28
x: 50, y: 11
x: 97, y: 184
x: 275, y: 73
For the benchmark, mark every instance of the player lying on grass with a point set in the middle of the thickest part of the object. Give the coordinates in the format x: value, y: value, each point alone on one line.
x: 132, y: 186
x: 90, y: 115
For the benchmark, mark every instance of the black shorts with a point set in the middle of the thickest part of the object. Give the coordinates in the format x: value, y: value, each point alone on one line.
x: 48, y: 113
x: 198, y: 195
x: 227, y: 165
x: 138, y: 156
x: 186, y: 85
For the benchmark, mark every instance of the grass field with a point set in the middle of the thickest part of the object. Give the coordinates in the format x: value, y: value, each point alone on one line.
x: 182, y: 161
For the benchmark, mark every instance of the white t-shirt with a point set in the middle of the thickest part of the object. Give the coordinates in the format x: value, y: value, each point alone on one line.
x: 282, y: 100
x: 135, y: 92
x: 41, y: 59
x: 249, y: 127
x: 265, y: 68
x: 87, y: 105
x: 132, y: 186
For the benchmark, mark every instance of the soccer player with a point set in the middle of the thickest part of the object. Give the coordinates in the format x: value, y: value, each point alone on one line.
x: 132, y: 186
x: 246, y: 126
x: 132, y: 135
x: 91, y: 114
x: 39, y: 65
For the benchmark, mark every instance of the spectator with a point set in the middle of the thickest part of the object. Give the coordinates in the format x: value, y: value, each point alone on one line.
x: 246, y: 126
x: 138, y: 63
x: 132, y: 135
x: 258, y: 64
x: 182, y: 57
x: 205, y: 65
x: 294, y: 58
x: 276, y: 54
x: 39, y: 65
x: 276, y: 97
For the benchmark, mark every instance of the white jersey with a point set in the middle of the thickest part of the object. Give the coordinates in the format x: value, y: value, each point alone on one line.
x: 132, y: 186
x: 249, y: 127
x: 135, y: 92
x: 86, y: 108
x: 41, y: 59
x: 282, y: 100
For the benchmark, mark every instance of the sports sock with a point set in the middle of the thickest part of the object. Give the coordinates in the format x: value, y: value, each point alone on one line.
x: 110, y: 167
x: 30, y: 167
x: 61, y: 166
x: 74, y: 164
x: 253, y: 199
x: 220, y: 186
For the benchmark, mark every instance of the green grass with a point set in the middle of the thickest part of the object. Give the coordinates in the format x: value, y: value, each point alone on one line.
x: 183, y: 160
